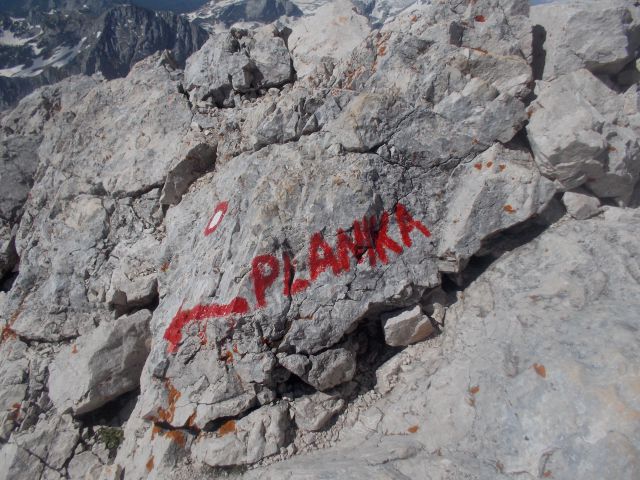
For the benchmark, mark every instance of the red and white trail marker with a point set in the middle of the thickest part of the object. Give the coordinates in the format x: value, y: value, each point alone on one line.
x: 216, y: 218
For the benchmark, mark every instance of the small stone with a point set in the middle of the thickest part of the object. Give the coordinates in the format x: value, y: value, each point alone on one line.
x: 313, y: 412
x: 406, y: 327
x: 331, y: 368
x: 296, y: 364
x: 580, y: 205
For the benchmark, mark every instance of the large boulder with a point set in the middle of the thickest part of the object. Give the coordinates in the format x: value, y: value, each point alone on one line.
x: 584, y: 133
x: 100, y: 366
x: 331, y: 33
x: 238, y: 61
x: 259, y: 435
x: 599, y: 36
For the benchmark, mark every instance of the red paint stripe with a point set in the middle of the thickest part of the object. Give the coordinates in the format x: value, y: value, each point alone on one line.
x: 173, y: 334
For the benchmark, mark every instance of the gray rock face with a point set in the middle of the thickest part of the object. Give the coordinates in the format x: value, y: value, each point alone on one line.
x: 105, y: 203
x: 254, y: 437
x: 42, y: 451
x: 228, y: 13
x: 275, y: 226
x: 497, y: 385
x: 101, y: 366
x: 583, y: 133
x: 333, y: 31
x: 331, y: 368
x: 313, y: 412
x: 599, y: 36
x: 298, y: 244
x: 240, y: 62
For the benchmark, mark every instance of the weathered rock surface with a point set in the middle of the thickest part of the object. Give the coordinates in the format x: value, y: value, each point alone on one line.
x: 102, y: 365
x: 406, y: 327
x: 256, y: 436
x: 313, y: 412
x: 332, y: 32
x: 240, y: 62
x: 498, y: 385
x: 599, y: 36
x: 580, y: 205
x: 42, y: 451
x: 583, y: 133
x: 275, y: 225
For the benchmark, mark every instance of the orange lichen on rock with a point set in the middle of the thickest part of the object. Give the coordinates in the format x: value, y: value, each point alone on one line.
x: 156, y: 430
x: 227, y: 357
x: 226, y: 428
x: 177, y: 437
x: 502, y: 167
x: 509, y: 209
x: 540, y: 370
x: 473, y: 390
x: 489, y: 164
x: 166, y: 415
x: 191, y: 422
x: 149, y: 464
x: 478, y: 166
x: 413, y: 429
x: 413, y: 18
x: 7, y: 333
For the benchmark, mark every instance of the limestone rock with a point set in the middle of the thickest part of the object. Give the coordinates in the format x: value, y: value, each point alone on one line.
x: 599, y: 36
x: 42, y: 450
x: 83, y: 465
x: 266, y: 276
x: 269, y: 223
x: 248, y: 440
x: 406, y: 327
x: 500, y: 386
x: 99, y: 188
x: 197, y: 161
x: 296, y: 364
x: 134, y: 281
x: 102, y: 365
x: 14, y: 374
x: 313, y: 412
x: 580, y: 135
x: 333, y: 31
x: 237, y: 61
x: 581, y: 205
x: 331, y: 368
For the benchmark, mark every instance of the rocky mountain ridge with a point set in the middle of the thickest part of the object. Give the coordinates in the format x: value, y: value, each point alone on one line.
x: 47, y: 46
x: 410, y: 251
